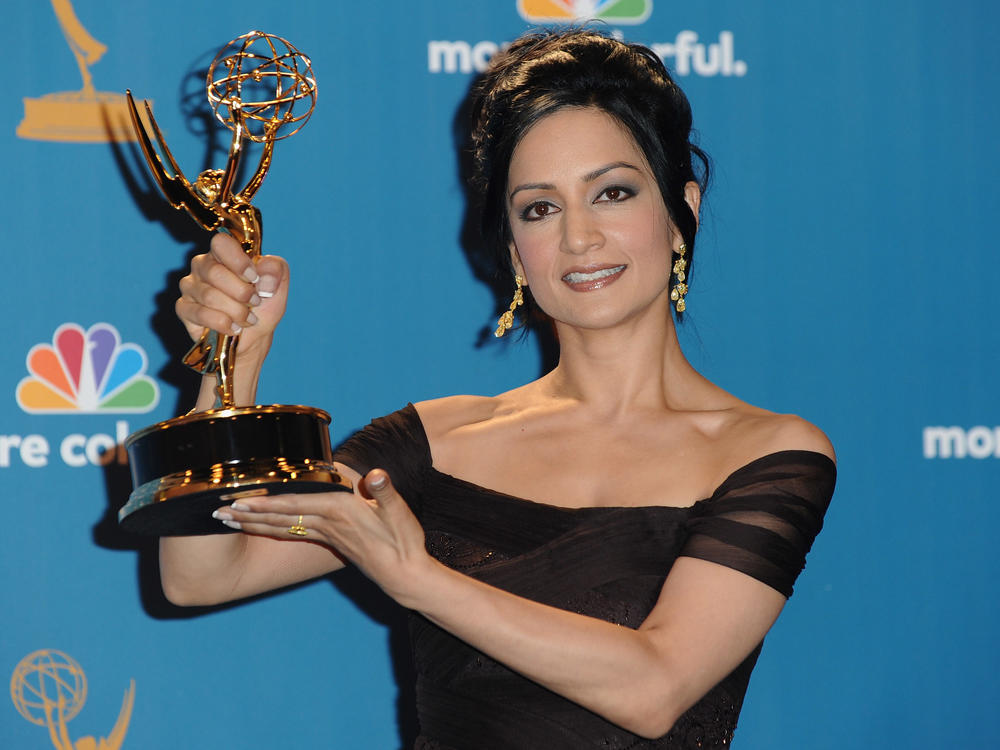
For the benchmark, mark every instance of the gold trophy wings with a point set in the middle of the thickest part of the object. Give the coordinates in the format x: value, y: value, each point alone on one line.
x: 258, y: 85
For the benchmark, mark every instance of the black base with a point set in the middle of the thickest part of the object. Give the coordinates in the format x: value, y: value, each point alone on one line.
x: 191, y: 515
x: 185, y: 468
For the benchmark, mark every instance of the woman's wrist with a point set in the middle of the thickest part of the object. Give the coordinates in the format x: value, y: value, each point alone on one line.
x: 245, y: 379
x: 422, y: 586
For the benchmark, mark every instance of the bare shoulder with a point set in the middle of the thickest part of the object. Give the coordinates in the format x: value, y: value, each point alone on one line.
x: 444, y: 416
x: 465, y: 432
x: 441, y: 416
x: 771, y: 433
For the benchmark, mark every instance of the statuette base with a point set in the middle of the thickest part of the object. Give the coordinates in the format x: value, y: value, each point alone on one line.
x: 187, y: 467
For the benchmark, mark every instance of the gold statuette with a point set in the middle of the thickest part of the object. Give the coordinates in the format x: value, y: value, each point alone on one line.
x: 262, y: 89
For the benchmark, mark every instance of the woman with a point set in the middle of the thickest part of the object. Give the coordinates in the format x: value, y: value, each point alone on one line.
x: 642, y: 528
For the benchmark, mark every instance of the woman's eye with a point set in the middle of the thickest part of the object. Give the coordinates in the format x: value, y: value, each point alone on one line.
x: 615, y: 194
x: 538, y: 210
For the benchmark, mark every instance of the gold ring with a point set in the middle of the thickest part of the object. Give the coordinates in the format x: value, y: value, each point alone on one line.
x: 298, y: 529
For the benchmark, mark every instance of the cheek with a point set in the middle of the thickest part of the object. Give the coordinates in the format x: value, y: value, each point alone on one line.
x: 647, y: 238
x: 533, y: 248
x: 658, y: 234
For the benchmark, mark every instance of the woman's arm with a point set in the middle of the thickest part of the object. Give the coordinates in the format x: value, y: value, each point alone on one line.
x: 227, y: 292
x: 707, y: 620
x: 204, y: 570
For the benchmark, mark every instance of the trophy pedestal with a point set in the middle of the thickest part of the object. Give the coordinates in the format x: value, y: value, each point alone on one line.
x: 186, y: 467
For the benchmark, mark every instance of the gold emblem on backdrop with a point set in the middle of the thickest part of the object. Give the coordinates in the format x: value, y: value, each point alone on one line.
x: 49, y: 688
x: 84, y: 116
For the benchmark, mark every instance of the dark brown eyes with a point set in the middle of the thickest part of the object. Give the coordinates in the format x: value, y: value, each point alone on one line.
x: 541, y: 209
x: 536, y: 211
x: 616, y: 194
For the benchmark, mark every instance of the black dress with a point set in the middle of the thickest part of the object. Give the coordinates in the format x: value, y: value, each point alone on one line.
x: 606, y: 562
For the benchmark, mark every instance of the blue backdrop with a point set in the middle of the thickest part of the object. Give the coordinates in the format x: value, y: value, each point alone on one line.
x: 847, y: 272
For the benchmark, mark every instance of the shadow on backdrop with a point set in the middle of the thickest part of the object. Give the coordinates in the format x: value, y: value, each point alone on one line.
x: 493, y: 272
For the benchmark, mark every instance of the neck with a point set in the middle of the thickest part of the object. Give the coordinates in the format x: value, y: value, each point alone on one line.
x: 637, y: 365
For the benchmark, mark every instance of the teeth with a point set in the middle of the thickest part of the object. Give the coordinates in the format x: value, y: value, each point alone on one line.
x: 576, y: 278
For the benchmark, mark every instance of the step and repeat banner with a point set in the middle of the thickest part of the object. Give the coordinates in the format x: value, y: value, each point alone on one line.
x: 847, y: 272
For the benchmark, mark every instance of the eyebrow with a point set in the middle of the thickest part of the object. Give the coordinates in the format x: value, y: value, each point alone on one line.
x: 589, y: 177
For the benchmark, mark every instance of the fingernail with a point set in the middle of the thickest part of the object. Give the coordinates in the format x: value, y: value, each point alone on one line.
x: 254, y: 301
x: 240, y: 507
x: 237, y: 330
x: 266, y: 286
x: 233, y: 524
x: 251, y: 275
x: 378, y: 481
x: 219, y: 515
x: 251, y: 318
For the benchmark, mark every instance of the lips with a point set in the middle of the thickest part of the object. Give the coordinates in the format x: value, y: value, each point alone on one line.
x: 585, y: 280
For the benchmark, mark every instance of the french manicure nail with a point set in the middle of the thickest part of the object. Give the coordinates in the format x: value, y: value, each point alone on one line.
x: 251, y: 318
x: 240, y: 507
x: 237, y: 330
x: 254, y: 301
x: 219, y: 515
x: 267, y: 285
x: 232, y: 524
x: 251, y: 275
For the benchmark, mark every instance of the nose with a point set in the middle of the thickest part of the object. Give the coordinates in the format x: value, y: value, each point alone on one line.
x: 581, y: 232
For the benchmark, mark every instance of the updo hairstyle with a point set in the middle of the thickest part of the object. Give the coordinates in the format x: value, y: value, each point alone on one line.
x: 543, y: 72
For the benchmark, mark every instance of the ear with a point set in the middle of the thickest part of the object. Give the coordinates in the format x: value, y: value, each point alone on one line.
x: 692, y: 196
x: 515, y: 262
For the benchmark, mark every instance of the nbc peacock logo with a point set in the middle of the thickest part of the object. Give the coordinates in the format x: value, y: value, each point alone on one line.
x: 629, y: 12
x: 87, y: 372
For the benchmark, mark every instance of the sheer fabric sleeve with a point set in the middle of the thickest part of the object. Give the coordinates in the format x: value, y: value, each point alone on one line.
x: 763, y: 519
x: 396, y: 443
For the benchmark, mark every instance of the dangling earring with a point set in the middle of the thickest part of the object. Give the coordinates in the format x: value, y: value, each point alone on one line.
x: 680, y: 288
x: 505, y: 321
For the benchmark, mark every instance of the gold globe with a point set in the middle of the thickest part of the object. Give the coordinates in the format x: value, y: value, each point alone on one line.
x: 47, y: 682
x: 268, y: 80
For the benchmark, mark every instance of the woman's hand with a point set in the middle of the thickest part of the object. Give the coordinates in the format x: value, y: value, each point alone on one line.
x: 231, y: 294
x: 372, y: 527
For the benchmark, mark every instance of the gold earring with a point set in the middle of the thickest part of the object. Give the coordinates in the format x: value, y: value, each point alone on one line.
x: 680, y: 288
x: 505, y: 321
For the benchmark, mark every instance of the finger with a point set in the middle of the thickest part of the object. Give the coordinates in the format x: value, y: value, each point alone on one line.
x: 294, y: 531
x: 272, y: 276
x: 198, y: 317
x: 228, y: 300
x: 228, y: 252
x: 206, y: 307
x: 272, y: 524
x: 378, y: 486
x: 374, y: 482
x: 208, y: 273
x: 268, y: 274
x: 274, y: 508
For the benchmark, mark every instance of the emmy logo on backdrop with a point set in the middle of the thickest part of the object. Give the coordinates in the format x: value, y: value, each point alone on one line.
x: 84, y: 116
x: 49, y: 688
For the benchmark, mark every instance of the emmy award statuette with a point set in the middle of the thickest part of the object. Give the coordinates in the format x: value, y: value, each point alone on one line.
x: 186, y: 467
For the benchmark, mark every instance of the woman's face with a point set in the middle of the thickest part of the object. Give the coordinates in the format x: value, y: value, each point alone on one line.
x: 591, y: 235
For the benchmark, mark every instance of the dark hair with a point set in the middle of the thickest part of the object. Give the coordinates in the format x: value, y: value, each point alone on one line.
x: 544, y: 72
